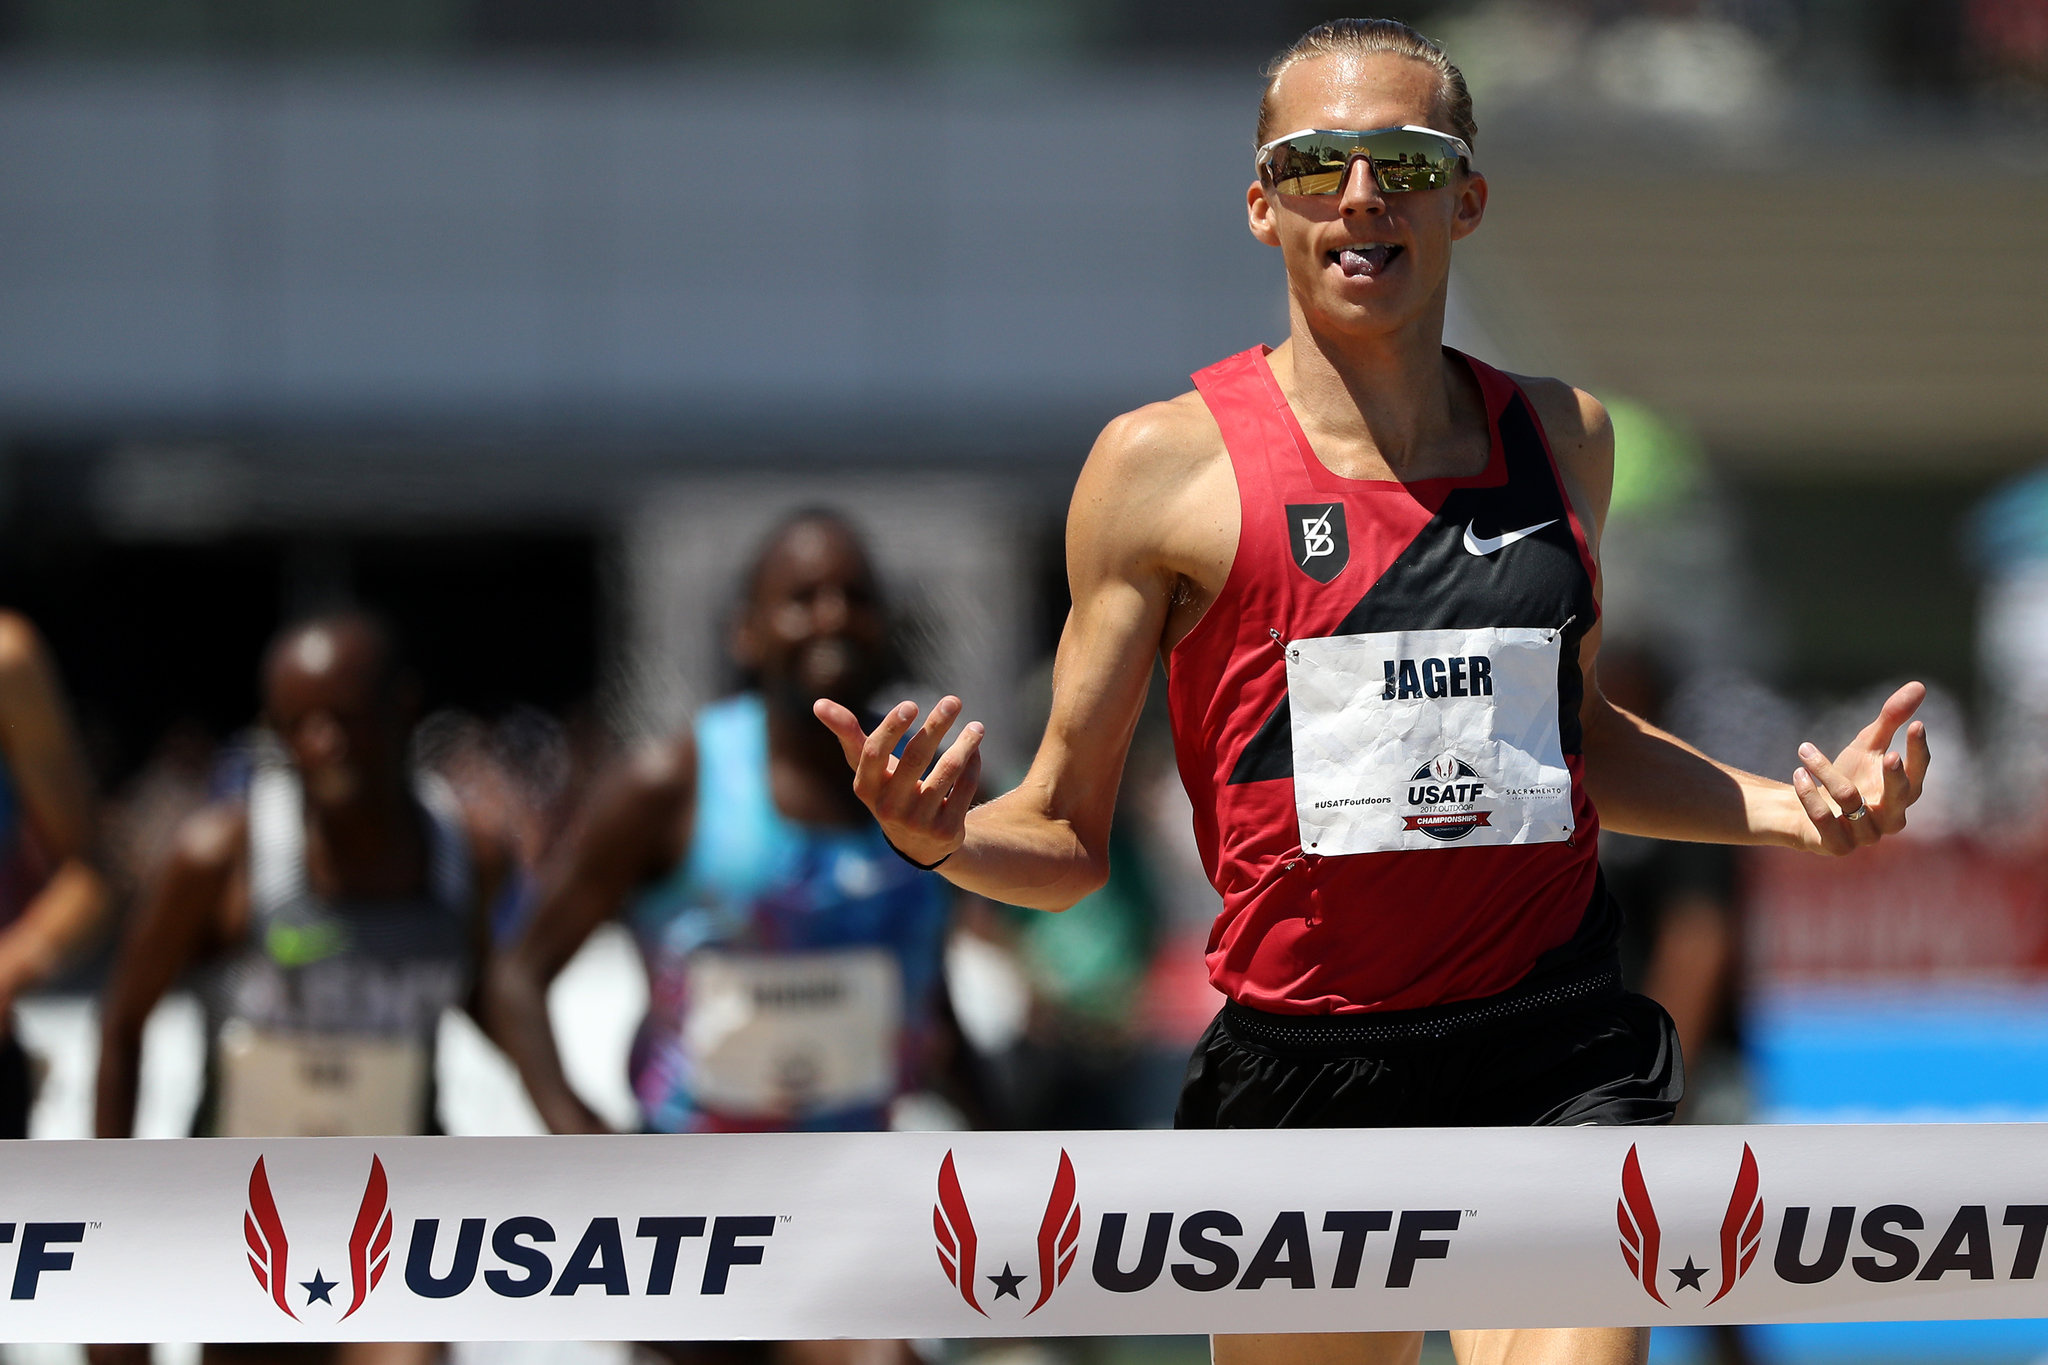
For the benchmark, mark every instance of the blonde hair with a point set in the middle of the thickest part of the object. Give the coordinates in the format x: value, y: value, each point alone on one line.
x: 1357, y: 38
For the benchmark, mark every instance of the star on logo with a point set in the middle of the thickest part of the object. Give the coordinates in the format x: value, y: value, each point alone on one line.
x: 317, y: 1289
x: 1689, y: 1276
x: 1007, y: 1282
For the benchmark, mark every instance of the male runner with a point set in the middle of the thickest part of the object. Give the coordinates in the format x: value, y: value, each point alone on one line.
x: 52, y: 897
x: 793, y: 959
x: 338, y: 910
x: 1369, y: 564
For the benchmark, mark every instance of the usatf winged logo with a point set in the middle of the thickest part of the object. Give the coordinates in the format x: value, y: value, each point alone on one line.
x: 1059, y: 1235
x: 1742, y: 1229
x: 369, y: 1244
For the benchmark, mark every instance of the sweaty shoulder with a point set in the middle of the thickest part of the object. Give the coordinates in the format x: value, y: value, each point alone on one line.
x: 660, y: 774
x: 1160, y: 441
x: 1582, y: 439
x: 20, y: 647
x: 200, y: 881
x: 211, y: 841
x: 633, y: 826
x: 1157, y: 492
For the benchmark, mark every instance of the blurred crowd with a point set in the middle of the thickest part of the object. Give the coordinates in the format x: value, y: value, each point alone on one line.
x: 331, y: 880
x: 1075, y: 1020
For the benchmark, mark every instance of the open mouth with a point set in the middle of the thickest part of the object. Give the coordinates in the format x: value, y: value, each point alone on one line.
x: 1365, y: 259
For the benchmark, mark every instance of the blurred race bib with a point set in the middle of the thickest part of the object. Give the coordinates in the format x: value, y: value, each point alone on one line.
x: 783, y: 1036
x: 322, y: 1085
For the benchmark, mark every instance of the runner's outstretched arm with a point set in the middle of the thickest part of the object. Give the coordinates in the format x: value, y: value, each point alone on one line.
x: 183, y: 919
x: 42, y: 752
x: 1045, y: 844
x: 1645, y: 781
x: 631, y: 834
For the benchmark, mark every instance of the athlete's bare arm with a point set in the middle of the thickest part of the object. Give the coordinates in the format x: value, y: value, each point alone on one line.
x: 493, y: 866
x: 48, y: 769
x: 194, y: 905
x: 1150, y: 537
x: 1645, y: 781
x: 632, y: 833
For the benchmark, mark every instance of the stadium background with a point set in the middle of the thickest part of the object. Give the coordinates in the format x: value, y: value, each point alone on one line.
x: 518, y: 321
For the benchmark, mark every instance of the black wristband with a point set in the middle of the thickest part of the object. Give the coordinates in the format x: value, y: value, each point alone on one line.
x: 921, y: 867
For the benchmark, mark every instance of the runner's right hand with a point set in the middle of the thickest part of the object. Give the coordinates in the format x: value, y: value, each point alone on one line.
x: 923, y: 815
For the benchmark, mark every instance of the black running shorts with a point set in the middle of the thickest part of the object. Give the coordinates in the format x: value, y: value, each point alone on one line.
x: 1580, y: 1050
x: 17, y: 1087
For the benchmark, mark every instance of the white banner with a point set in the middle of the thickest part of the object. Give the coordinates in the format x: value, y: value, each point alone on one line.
x: 1016, y: 1234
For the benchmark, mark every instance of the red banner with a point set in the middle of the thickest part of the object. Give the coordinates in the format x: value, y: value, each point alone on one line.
x: 1908, y: 909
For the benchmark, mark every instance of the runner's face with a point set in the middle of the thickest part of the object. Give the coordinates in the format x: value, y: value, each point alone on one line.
x: 814, y: 627
x: 331, y: 702
x: 1363, y: 259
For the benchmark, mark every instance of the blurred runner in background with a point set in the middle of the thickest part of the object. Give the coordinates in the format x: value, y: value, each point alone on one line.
x: 1681, y: 944
x: 793, y: 959
x: 1091, y: 1049
x: 52, y: 896
x: 338, y: 910
x: 2008, y: 537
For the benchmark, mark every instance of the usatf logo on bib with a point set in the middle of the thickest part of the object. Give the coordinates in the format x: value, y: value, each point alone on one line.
x: 1442, y: 791
x: 1316, y: 531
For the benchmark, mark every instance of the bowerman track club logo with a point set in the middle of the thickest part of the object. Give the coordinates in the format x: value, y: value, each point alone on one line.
x: 1317, y: 535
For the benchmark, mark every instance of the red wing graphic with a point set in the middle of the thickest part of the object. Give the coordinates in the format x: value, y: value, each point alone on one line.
x: 369, y: 1246
x: 264, y: 1231
x: 1057, y: 1234
x: 955, y: 1231
x: 1743, y: 1228
x: 1638, y: 1225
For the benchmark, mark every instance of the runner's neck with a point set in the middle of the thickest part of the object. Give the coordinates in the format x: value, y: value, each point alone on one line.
x: 808, y: 770
x: 374, y: 846
x: 1382, y: 407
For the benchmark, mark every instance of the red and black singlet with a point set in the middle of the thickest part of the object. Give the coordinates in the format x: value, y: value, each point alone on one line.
x: 1432, y: 631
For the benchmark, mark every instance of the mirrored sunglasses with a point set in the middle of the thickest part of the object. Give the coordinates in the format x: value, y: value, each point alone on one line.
x: 1314, y: 160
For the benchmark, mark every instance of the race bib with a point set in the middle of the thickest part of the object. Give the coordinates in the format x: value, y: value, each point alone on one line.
x: 1423, y: 739
x: 783, y: 1036
x: 322, y: 1085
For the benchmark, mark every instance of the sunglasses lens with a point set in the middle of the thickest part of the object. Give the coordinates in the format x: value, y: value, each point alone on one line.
x: 1396, y: 178
x: 1309, y: 164
x: 1312, y: 182
x: 1315, y: 162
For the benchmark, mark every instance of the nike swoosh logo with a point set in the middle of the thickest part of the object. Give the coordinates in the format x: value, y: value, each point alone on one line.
x: 1479, y: 545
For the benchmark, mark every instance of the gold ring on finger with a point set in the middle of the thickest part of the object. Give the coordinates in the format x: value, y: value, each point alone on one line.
x: 1852, y: 816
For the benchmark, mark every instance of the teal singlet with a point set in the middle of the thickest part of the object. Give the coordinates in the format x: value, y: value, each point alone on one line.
x: 792, y: 967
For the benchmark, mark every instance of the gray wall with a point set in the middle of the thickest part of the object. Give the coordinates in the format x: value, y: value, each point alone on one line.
x: 719, y: 256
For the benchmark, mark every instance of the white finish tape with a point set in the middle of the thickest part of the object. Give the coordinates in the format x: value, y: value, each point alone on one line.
x: 1017, y: 1234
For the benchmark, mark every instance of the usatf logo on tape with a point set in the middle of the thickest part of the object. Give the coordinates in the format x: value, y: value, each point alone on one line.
x: 39, y: 1254
x: 1963, y: 1247
x: 520, y: 1264
x: 1211, y: 1242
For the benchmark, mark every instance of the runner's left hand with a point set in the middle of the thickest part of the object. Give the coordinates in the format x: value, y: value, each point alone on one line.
x: 1865, y: 776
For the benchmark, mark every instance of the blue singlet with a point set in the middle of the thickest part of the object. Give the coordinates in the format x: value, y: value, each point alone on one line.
x: 756, y: 887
